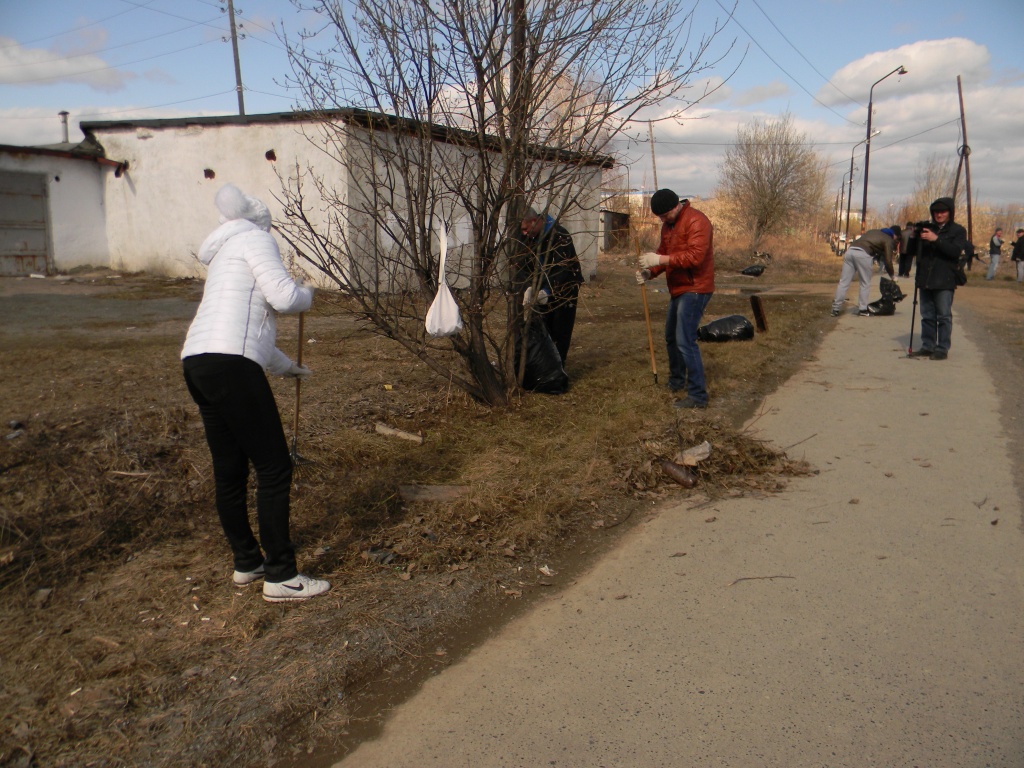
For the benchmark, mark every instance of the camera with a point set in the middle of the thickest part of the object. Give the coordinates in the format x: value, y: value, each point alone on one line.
x: 922, y: 225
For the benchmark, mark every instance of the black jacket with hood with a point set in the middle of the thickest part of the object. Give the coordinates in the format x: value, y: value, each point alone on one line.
x: 937, y: 262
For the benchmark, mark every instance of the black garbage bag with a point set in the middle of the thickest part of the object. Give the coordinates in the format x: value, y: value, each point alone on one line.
x: 731, y: 328
x: 544, y: 371
x: 891, y: 290
x: 882, y: 307
x: 754, y: 270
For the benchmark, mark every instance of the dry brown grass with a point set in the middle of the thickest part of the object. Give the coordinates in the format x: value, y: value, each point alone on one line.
x: 142, y: 653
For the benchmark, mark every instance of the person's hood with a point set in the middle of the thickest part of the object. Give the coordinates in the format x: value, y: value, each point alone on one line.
x: 944, y: 202
x: 233, y: 203
x: 216, y: 240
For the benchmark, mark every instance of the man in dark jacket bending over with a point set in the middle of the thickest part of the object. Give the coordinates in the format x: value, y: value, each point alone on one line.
x: 551, y: 275
x: 942, y: 243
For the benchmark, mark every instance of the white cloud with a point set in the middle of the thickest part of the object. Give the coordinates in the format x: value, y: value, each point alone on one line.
x: 33, y: 67
x: 929, y: 63
x: 761, y: 93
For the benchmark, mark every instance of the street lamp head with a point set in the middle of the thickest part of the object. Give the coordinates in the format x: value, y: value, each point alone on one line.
x: 902, y: 70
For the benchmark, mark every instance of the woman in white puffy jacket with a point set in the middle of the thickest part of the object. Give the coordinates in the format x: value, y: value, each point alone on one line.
x: 229, y: 346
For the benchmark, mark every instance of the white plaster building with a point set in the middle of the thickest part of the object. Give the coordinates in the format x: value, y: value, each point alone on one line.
x: 52, y: 208
x: 160, y: 209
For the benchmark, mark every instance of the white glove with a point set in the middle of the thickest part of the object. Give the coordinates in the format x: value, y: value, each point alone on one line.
x: 642, y: 276
x: 542, y: 296
x: 297, y: 372
x: 649, y: 260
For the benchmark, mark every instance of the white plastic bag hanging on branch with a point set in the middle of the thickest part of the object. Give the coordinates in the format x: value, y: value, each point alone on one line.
x: 443, y: 316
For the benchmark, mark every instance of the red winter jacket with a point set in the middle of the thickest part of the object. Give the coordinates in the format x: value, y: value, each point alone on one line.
x: 689, y: 245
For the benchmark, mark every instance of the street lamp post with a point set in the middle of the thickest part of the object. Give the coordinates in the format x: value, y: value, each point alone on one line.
x: 850, y: 200
x: 867, y: 148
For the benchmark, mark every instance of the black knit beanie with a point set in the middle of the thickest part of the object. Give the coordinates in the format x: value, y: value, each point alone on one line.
x: 663, y: 201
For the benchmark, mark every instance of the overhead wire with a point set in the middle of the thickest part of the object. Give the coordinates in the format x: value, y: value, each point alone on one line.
x: 101, y: 69
x: 99, y: 51
x: 733, y: 19
x: 801, y: 55
x: 76, y: 28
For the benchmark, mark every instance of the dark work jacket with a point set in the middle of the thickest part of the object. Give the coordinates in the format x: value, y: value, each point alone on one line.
x: 1018, y: 249
x: 937, y: 262
x: 554, y: 254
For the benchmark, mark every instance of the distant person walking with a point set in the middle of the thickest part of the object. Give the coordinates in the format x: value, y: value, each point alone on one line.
x: 942, y: 242
x: 1017, y: 255
x: 686, y: 255
x: 995, y: 249
x: 229, y: 346
x: 858, y: 260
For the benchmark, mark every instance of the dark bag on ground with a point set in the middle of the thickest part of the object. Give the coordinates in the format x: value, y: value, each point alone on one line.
x: 754, y: 270
x: 891, y: 291
x: 544, y: 371
x: 883, y: 306
x: 731, y: 328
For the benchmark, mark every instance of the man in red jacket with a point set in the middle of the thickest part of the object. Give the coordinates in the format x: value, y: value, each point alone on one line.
x: 687, y: 257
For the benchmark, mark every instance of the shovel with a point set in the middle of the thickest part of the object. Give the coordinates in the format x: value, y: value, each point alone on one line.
x: 647, y: 319
x: 296, y: 458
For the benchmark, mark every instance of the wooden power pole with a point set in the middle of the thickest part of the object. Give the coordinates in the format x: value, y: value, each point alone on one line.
x: 234, y: 48
x: 965, y: 162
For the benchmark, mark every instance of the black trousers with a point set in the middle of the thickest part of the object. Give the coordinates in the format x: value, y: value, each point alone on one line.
x: 243, y: 425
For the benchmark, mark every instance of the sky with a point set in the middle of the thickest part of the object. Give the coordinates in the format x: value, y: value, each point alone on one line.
x: 814, y: 59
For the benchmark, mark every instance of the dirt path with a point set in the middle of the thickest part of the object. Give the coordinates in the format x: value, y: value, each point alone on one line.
x: 866, y: 616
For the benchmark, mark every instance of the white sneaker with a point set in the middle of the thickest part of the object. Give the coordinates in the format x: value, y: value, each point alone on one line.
x: 242, y: 578
x: 300, y: 588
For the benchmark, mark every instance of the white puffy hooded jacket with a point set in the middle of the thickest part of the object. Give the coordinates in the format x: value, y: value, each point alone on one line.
x: 246, y: 286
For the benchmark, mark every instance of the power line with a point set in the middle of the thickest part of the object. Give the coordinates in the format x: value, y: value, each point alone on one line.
x: 905, y: 138
x: 801, y: 55
x: 78, y: 28
x: 161, y: 106
x: 65, y: 75
x: 105, y: 50
x: 761, y: 47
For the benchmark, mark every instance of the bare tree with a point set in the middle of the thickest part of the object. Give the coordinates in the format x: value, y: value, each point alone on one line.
x: 772, y: 178
x: 934, y: 179
x: 462, y: 114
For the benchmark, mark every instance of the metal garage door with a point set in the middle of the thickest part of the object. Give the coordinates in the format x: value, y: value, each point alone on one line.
x: 24, y: 229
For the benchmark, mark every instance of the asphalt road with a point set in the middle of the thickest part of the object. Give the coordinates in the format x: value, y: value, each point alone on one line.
x: 870, y: 615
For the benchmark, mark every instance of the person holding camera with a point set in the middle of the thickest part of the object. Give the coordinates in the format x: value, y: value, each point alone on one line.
x: 858, y: 260
x: 940, y: 242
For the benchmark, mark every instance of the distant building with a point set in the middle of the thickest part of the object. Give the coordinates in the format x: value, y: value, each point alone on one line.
x: 137, y: 195
x: 52, y: 207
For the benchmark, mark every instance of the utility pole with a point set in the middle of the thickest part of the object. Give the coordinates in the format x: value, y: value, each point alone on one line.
x: 965, y: 162
x: 234, y: 48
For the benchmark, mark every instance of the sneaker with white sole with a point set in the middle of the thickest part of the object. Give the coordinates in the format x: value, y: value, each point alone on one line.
x: 302, y: 587
x: 243, y: 578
